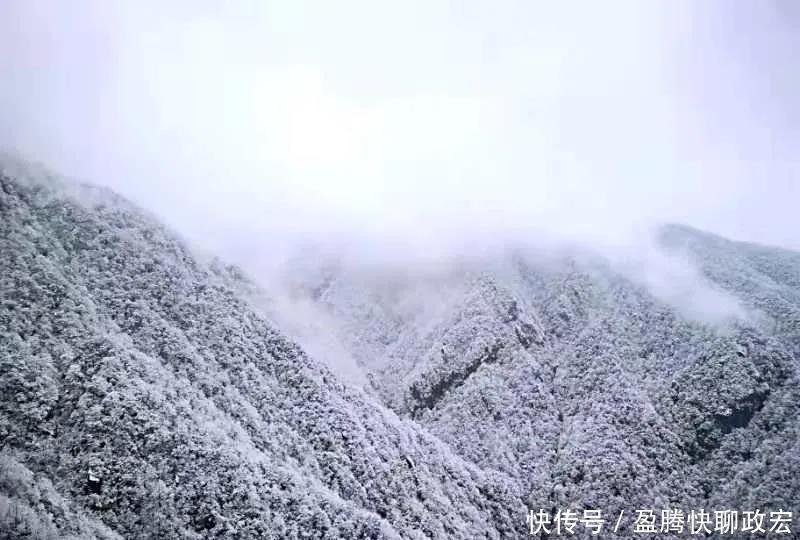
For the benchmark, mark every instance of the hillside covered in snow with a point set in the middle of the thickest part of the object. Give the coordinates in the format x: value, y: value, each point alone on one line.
x: 143, y: 398
x: 148, y: 393
x: 592, y: 383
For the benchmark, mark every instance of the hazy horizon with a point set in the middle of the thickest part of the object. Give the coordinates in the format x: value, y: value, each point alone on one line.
x: 431, y: 127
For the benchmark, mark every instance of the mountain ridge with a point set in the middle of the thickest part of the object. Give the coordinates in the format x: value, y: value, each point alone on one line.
x: 125, y: 357
x: 527, y: 384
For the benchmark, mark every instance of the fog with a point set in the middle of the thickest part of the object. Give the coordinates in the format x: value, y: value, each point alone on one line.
x: 415, y: 128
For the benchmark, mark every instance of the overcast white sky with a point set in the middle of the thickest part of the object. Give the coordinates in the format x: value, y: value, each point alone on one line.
x: 416, y: 123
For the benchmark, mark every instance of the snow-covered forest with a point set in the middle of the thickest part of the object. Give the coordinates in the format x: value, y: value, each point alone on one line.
x: 146, y: 392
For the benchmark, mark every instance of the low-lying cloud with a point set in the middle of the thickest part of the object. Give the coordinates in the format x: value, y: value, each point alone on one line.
x: 418, y: 128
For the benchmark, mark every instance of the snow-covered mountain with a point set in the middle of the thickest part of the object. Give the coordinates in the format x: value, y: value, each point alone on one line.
x: 142, y: 396
x: 147, y: 393
x: 594, y: 383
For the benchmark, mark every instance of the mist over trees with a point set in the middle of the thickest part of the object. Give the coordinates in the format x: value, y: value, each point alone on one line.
x: 128, y: 361
x: 147, y: 393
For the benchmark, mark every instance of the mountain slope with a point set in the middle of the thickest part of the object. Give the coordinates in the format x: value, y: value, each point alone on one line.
x: 155, y: 400
x: 145, y: 393
x: 591, y: 388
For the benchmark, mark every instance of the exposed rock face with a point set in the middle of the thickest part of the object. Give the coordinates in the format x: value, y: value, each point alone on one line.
x: 144, y: 393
